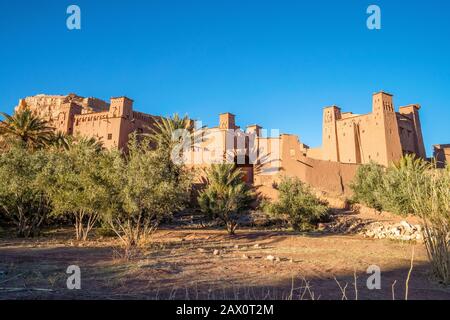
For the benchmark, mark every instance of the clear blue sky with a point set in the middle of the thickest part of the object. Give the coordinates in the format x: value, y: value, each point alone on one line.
x: 275, y: 63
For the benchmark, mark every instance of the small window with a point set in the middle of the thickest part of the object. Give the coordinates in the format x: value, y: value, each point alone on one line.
x: 109, y: 136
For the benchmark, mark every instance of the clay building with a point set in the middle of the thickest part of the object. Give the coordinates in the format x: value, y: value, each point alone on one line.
x: 111, y: 123
x: 348, y: 139
x: 441, y: 154
x: 382, y: 136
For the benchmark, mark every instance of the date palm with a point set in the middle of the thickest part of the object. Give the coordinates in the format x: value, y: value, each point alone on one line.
x: 26, y: 127
x: 170, y: 130
x: 173, y: 135
x: 226, y: 195
x: 61, y: 141
x: 87, y: 142
x: 64, y: 142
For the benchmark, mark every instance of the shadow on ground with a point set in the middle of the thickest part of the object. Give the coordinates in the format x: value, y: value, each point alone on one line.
x: 207, y: 264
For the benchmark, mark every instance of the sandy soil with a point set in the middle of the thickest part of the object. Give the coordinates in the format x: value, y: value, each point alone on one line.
x: 181, y: 264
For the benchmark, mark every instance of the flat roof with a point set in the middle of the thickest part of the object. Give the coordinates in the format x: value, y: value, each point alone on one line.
x: 335, y: 106
x: 389, y: 94
x: 227, y: 113
x: 124, y: 97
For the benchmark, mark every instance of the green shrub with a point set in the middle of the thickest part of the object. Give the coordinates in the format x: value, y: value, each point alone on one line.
x: 142, y: 189
x: 430, y: 200
x: 413, y: 186
x: 226, y: 195
x: 297, y: 202
x: 367, y: 185
x: 395, y: 193
x: 24, y: 200
x: 105, y: 230
x: 265, y: 205
x: 76, y: 186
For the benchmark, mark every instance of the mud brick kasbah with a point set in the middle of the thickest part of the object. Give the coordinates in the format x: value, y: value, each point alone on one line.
x: 348, y: 139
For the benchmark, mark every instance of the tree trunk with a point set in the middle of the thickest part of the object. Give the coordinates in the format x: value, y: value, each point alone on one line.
x: 231, y: 227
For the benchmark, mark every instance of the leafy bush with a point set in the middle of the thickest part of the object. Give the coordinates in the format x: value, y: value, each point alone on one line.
x: 76, y: 187
x: 143, y: 189
x: 297, y: 202
x: 23, y: 196
x: 430, y: 200
x: 413, y: 186
x: 394, y: 194
x: 367, y: 185
x: 226, y: 195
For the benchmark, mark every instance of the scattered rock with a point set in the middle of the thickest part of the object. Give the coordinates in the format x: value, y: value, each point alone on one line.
x: 216, y: 252
x: 277, y: 259
x: 236, y: 246
x: 244, y: 256
x: 270, y: 258
x: 322, y: 226
x: 256, y: 246
x: 399, y: 231
x: 291, y: 260
x: 201, y: 250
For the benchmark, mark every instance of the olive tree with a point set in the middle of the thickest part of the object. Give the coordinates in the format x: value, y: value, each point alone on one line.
x: 23, y: 195
x: 143, y: 189
x: 76, y: 187
x: 297, y: 201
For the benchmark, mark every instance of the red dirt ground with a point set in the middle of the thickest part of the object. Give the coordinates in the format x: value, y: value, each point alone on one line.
x: 180, y: 264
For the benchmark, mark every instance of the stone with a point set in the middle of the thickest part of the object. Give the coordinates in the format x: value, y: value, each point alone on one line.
x: 277, y: 259
x: 216, y: 252
x: 270, y: 258
x: 399, y: 231
x: 244, y: 256
x: 256, y: 245
x: 405, y: 225
x: 201, y: 250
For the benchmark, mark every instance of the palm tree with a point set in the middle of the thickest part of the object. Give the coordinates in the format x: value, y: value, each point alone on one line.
x: 172, y: 135
x: 87, y: 142
x: 169, y: 131
x: 226, y: 195
x: 61, y: 141
x: 26, y: 127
